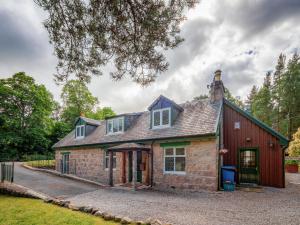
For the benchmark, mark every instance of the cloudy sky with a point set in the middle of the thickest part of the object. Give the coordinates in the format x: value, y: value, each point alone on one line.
x: 242, y: 38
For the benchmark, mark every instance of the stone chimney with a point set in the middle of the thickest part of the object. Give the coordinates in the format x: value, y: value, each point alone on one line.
x: 217, y: 88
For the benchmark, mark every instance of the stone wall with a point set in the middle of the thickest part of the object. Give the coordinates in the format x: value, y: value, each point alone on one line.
x: 90, y: 164
x: 201, y: 168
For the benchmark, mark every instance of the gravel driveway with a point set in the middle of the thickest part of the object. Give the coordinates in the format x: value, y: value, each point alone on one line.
x: 51, y: 185
x: 264, y: 206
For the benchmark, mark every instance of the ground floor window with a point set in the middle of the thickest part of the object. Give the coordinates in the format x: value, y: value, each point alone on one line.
x: 174, y: 160
x: 107, y: 160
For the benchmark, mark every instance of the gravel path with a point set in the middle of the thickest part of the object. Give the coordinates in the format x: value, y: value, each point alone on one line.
x: 265, y: 206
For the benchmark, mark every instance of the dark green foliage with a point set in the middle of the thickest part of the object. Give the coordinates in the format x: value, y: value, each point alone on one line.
x: 87, y: 34
x: 277, y: 101
x: 200, y: 97
x: 261, y: 103
x: 25, y: 115
x: 233, y: 99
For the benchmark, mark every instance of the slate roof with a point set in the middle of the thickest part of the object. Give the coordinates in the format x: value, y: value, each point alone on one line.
x: 199, y: 117
x: 89, y: 121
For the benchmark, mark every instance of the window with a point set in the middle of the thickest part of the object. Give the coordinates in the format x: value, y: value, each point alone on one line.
x: 80, y: 131
x: 174, y: 159
x: 107, y: 160
x: 115, y: 125
x: 161, y: 118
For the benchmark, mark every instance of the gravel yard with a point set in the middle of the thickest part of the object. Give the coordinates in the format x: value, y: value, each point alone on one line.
x: 263, y: 206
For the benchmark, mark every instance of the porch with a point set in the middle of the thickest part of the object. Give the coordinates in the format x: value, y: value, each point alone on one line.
x: 135, y: 165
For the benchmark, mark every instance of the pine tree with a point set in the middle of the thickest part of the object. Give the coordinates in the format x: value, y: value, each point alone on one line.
x: 262, y: 104
x: 276, y: 97
x: 250, y: 98
x: 289, y: 92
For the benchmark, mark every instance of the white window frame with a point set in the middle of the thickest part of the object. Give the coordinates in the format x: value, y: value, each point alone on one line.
x: 80, y: 135
x: 112, y: 121
x: 174, y: 156
x: 106, y: 156
x: 161, y: 118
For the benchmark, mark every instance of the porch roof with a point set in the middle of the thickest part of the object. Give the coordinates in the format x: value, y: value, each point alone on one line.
x: 129, y: 147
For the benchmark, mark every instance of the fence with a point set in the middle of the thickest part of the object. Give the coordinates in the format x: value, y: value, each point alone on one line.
x: 46, y: 161
x: 7, y: 171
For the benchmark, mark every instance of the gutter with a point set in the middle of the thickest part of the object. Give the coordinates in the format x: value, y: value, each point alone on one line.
x: 134, y: 141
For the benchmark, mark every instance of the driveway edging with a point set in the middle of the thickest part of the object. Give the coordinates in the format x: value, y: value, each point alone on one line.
x: 53, y: 172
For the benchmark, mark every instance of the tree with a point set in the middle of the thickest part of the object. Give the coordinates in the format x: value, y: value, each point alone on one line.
x: 289, y: 92
x: 25, y: 114
x: 101, y: 113
x: 294, y: 147
x: 251, y: 97
x: 233, y: 99
x: 262, y: 104
x: 278, y: 122
x: 77, y: 100
x: 200, y: 97
x: 86, y: 34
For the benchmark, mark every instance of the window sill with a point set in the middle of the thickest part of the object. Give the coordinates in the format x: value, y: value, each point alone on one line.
x: 174, y: 173
x: 115, y: 133
x: 160, y: 127
x: 107, y: 169
x: 79, y: 138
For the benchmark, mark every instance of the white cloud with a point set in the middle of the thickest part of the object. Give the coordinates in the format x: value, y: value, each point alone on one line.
x: 242, y: 38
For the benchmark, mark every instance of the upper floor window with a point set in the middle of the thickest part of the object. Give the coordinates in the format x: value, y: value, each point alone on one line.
x: 161, y: 118
x: 115, y: 125
x: 80, y: 131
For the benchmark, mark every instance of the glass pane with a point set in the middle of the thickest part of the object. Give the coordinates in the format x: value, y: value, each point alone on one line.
x: 169, y: 164
x: 115, y: 125
x: 106, y: 153
x: 109, y: 126
x: 82, y: 131
x: 120, y: 124
x: 114, y: 162
x: 248, y: 159
x: 156, y: 118
x: 180, y: 151
x: 180, y: 163
x: 169, y: 151
x: 165, y: 117
x: 77, y: 131
x: 106, y: 162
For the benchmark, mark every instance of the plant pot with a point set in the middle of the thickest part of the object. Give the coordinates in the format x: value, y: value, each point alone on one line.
x: 291, y: 168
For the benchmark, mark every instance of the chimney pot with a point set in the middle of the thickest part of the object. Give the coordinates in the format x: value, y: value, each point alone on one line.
x: 218, y: 75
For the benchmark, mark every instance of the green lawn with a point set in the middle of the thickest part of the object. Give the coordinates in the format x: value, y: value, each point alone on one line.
x: 25, y: 211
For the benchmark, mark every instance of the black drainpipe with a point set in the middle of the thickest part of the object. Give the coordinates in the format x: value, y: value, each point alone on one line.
x: 152, y: 169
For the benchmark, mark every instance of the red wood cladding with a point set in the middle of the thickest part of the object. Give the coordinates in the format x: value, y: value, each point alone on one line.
x: 271, y: 168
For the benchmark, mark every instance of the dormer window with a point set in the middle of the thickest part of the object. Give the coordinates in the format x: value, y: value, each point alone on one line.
x: 161, y: 118
x: 115, y: 125
x: 80, y: 131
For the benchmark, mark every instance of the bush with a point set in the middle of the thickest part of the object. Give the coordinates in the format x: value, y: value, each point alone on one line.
x: 291, y: 162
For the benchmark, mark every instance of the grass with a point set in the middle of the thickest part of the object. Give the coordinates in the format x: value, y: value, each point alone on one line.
x: 25, y: 211
x: 42, y: 164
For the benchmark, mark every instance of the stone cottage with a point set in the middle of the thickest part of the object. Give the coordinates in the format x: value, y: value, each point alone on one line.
x: 175, y: 146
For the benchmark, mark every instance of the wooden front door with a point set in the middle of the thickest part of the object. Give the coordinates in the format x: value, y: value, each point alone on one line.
x: 138, y: 169
x: 248, y: 165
